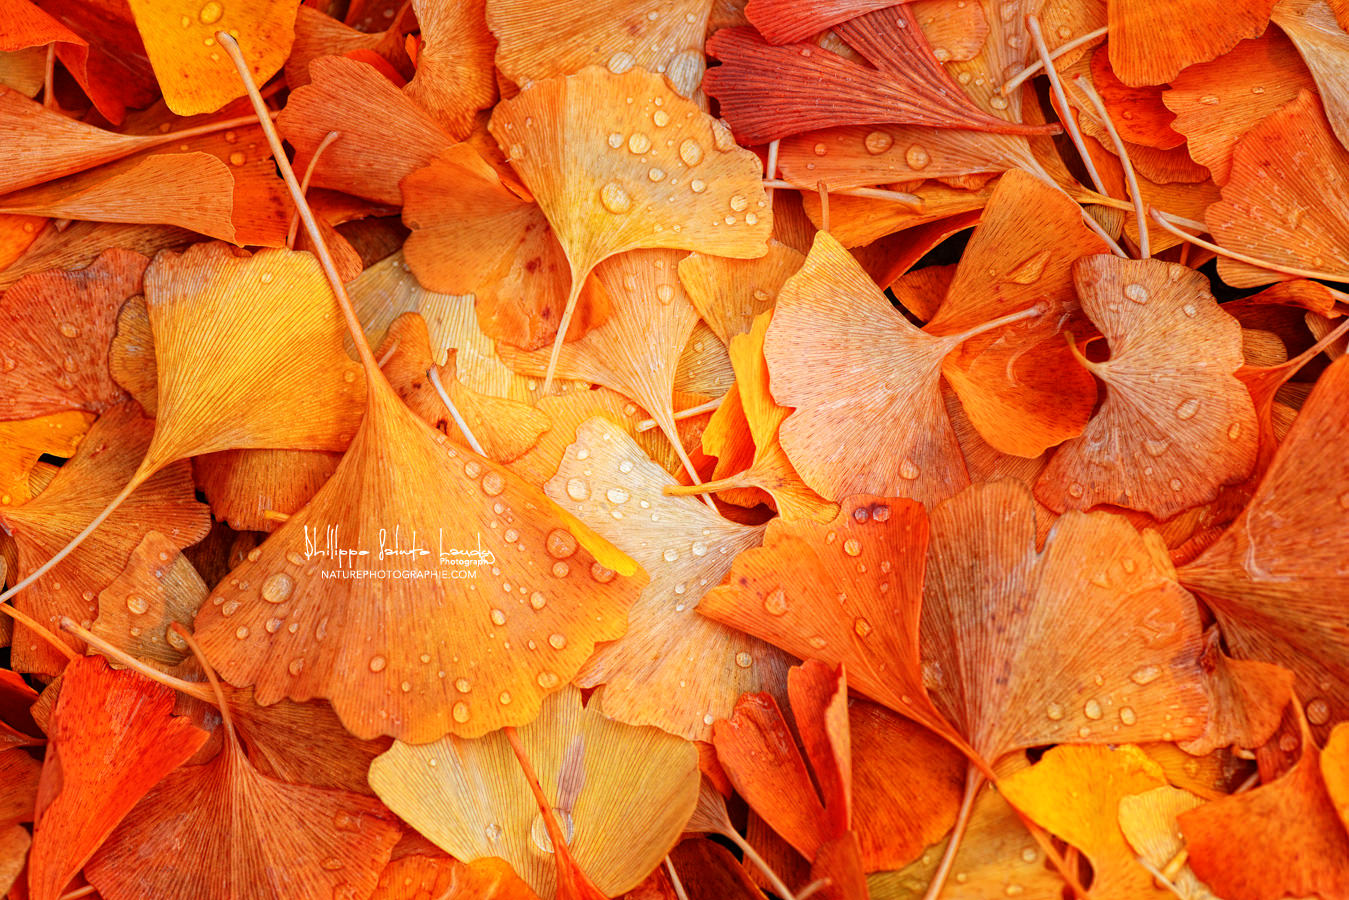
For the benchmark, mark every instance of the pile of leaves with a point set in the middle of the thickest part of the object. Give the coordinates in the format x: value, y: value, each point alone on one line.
x: 674, y: 449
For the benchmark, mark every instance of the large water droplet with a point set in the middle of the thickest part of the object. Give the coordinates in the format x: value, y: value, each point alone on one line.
x: 744, y: 660
x: 909, y: 470
x: 377, y: 663
x: 557, y: 640
x: 1137, y: 293
x: 277, y: 588
x: 1156, y: 448
x: 1318, y: 711
x: 615, y: 198
x: 538, y: 831
x: 1054, y: 711
x: 852, y: 547
x: 620, y: 62
x: 1127, y: 716
x: 878, y: 142
x: 577, y: 489
x: 137, y: 604
x: 460, y: 713
x: 775, y: 604
x: 1092, y: 709
x: 917, y: 157
x: 660, y: 118
x: 1187, y: 408
x: 639, y: 143
x: 560, y: 543
x: 493, y: 483
x: 691, y: 152
x: 861, y: 627
x: 211, y: 13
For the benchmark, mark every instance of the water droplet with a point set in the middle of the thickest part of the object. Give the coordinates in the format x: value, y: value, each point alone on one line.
x: 1189, y: 310
x: 332, y: 864
x: 908, y: 470
x: 1137, y: 293
x: 744, y: 660
x: 577, y: 489
x: 1092, y: 709
x: 620, y: 62
x: 296, y: 666
x: 273, y: 625
x: 739, y: 203
x: 1054, y: 711
x: 821, y: 149
x: 775, y: 604
x: 655, y: 174
x: 861, y: 626
x: 377, y: 663
x: 664, y: 293
x: 818, y: 642
x: 1127, y: 716
x: 615, y: 140
x: 917, y: 157
x: 69, y: 330
x: 230, y: 608
x: 1318, y: 712
x: 1287, y: 743
x: 852, y: 547
x: 241, y: 632
x: 211, y: 13
x: 1187, y: 409
x: 600, y: 574
x: 237, y: 158
x: 697, y: 185
x: 698, y: 548
x: 538, y: 831
x: 1075, y: 490
x: 137, y: 604
x: 498, y: 617
x: 460, y: 713
x: 176, y: 640
x: 1209, y: 100
x: 504, y: 698
x: 1156, y: 448
x: 670, y: 554
x: 691, y: 152
x: 548, y: 680
x: 1344, y: 500
x: 277, y: 588
x: 615, y: 198
x: 660, y: 118
x: 639, y: 143
x: 998, y: 102
x: 557, y: 640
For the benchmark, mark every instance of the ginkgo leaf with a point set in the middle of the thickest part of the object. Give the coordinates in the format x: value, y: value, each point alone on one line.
x: 906, y: 786
x: 318, y: 35
x: 1148, y: 821
x: 1075, y: 793
x: 614, y: 176
x: 1176, y: 423
x: 569, y: 408
x: 860, y: 155
x: 730, y: 293
x: 112, y: 739
x: 846, y: 591
x: 505, y: 429
x: 622, y: 794
x: 457, y: 518
x: 1249, y: 220
x: 1217, y: 102
x: 656, y: 36
x: 454, y: 76
x: 58, y: 326
x: 417, y: 876
x: 105, y: 461
x: 1272, y: 578
x: 249, y: 488
x: 157, y: 588
x: 769, y: 468
x: 857, y: 221
x: 1247, y: 699
x: 1311, y: 26
x: 252, y: 837
x: 1150, y: 43
x: 19, y: 773
x: 195, y: 76
x: 206, y: 301
x: 784, y: 22
x: 1137, y: 113
x: 384, y: 135
x: 673, y: 668
x: 996, y: 853
x: 1304, y: 848
x: 841, y: 355
x: 637, y: 348
x: 769, y: 92
x: 1018, y: 384
x: 110, y: 64
x: 1098, y: 607
x: 471, y: 233
x: 23, y: 443
x: 192, y: 190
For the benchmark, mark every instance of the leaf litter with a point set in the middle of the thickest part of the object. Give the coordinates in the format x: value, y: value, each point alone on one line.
x: 673, y: 450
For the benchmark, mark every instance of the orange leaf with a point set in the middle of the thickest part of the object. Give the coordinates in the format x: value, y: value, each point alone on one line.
x: 1098, y: 607
x: 112, y: 740
x: 1272, y: 579
x: 59, y: 326
x: 1303, y: 848
x: 454, y: 76
x: 1150, y: 42
x: 195, y: 76
x: 1176, y: 423
x: 23, y: 443
x: 104, y: 462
